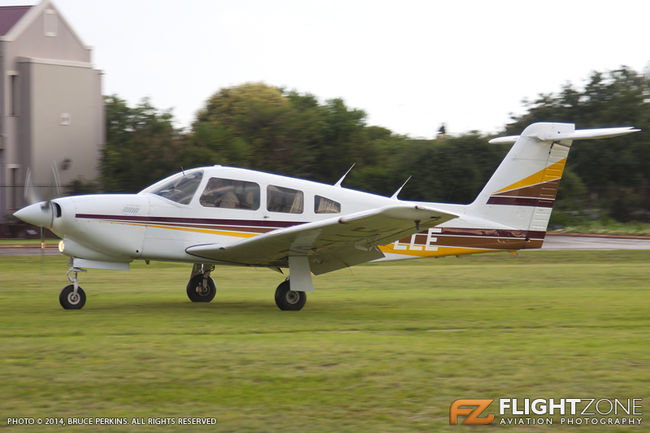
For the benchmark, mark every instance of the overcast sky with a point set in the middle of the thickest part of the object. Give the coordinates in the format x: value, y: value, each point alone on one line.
x: 410, y: 65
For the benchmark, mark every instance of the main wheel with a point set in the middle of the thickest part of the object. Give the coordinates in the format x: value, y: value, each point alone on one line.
x: 287, y: 299
x: 71, y: 301
x: 197, y: 293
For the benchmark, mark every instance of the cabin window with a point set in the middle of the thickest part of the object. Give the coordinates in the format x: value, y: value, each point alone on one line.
x: 287, y: 200
x: 231, y: 194
x: 180, y: 189
x: 325, y: 205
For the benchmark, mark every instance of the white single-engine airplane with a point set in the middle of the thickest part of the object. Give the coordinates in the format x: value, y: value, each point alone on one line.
x: 232, y: 216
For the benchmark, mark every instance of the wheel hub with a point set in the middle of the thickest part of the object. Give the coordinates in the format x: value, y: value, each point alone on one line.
x: 73, y: 298
x: 292, y: 297
x: 203, y: 291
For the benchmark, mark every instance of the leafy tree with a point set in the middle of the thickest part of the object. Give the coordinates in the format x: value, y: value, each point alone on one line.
x: 286, y: 132
x: 142, y: 145
x: 615, y: 174
x: 268, y: 128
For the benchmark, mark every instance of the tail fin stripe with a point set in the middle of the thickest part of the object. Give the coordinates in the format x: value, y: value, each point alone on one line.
x: 552, y: 172
x: 542, y: 190
x: 521, y: 201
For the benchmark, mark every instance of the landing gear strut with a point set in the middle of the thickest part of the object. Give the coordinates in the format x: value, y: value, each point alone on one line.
x: 287, y: 299
x: 72, y: 296
x: 201, y: 287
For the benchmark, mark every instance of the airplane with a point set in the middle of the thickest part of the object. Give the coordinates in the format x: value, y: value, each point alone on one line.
x: 222, y: 215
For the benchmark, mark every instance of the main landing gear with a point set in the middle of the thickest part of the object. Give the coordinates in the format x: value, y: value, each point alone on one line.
x: 287, y: 299
x: 300, y: 274
x: 72, y: 296
x: 201, y: 287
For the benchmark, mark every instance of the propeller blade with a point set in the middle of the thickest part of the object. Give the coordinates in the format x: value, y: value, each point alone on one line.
x: 29, y: 191
x: 56, y: 181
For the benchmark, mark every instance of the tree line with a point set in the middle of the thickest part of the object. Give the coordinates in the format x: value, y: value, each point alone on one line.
x: 257, y: 126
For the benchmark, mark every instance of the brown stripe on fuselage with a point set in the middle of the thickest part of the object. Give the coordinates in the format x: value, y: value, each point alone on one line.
x: 503, y: 233
x: 498, y: 239
x: 488, y: 243
x: 251, y: 226
x: 210, y: 221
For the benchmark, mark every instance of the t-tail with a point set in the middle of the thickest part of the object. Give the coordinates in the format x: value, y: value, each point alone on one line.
x: 521, y: 192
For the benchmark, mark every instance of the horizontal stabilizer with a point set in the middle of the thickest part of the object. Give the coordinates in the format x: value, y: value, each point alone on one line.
x: 580, y: 134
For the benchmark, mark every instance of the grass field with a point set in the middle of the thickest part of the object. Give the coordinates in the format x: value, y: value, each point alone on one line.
x: 377, y: 348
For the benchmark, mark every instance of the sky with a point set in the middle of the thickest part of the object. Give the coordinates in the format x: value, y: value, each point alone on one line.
x: 411, y: 65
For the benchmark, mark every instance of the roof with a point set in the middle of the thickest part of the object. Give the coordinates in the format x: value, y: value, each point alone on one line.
x: 10, y: 15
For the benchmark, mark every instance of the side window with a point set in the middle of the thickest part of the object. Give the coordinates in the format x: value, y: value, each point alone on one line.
x: 231, y: 194
x: 287, y: 200
x: 325, y: 205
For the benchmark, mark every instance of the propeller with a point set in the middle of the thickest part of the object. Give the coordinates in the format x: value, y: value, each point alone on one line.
x: 40, y: 212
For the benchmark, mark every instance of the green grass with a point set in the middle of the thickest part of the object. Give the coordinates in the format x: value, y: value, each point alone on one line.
x: 383, y: 347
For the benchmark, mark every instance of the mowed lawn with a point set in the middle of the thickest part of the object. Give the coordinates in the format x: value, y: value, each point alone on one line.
x: 377, y: 348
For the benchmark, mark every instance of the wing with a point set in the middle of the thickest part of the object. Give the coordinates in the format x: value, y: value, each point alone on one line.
x: 329, y: 244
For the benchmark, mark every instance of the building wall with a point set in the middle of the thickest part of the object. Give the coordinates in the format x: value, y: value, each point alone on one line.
x: 59, y: 121
x: 52, y: 107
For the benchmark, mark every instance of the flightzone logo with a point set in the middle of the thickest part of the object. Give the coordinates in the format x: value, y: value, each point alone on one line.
x: 472, y: 416
x: 547, y: 411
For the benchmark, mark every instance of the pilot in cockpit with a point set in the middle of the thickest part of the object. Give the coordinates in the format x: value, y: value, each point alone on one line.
x: 219, y: 193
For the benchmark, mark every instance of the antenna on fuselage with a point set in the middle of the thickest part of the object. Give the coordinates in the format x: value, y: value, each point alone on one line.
x: 340, y: 181
x: 394, y: 196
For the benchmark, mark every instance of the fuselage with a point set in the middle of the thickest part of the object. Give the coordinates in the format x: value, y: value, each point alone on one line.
x: 221, y: 205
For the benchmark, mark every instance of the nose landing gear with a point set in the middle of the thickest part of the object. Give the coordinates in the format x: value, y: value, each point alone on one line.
x: 72, y: 296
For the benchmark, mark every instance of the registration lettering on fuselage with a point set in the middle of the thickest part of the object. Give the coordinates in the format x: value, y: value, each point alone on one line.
x: 419, y: 241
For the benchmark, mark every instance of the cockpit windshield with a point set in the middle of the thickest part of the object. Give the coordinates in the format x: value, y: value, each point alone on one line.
x: 180, y: 189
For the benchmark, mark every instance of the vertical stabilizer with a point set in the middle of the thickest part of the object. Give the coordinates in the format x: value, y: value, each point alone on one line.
x: 522, y: 190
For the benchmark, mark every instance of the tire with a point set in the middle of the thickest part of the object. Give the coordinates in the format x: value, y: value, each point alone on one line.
x: 69, y: 301
x: 288, y: 300
x: 197, y: 293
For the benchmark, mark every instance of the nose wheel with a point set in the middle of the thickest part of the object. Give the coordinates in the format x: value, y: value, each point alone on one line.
x: 73, y: 297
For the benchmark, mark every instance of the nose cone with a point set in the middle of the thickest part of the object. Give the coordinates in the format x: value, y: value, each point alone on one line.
x: 38, y: 214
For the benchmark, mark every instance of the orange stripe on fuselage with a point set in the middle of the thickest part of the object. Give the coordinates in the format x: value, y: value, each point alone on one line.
x: 195, y: 230
x: 439, y: 252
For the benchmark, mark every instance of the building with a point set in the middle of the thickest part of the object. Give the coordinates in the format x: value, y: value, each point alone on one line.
x: 51, y: 110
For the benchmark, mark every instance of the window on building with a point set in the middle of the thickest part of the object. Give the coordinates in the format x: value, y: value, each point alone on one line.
x: 287, y: 200
x: 13, y: 186
x: 325, y: 205
x: 231, y: 194
x: 180, y: 189
x: 13, y: 96
x: 50, y: 23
